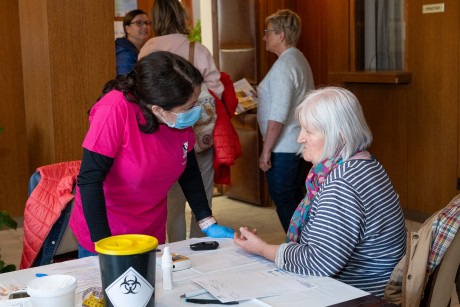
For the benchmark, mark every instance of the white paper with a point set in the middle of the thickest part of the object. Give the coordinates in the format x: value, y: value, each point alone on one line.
x: 230, y: 259
x: 297, y: 283
x: 241, y: 286
x: 244, y: 286
x: 246, y: 94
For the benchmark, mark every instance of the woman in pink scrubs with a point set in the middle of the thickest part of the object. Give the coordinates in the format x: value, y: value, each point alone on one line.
x: 140, y: 141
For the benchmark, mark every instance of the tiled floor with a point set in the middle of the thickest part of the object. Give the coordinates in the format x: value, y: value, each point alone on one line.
x: 229, y: 212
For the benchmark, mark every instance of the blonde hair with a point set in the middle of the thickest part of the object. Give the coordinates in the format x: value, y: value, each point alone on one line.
x: 288, y: 22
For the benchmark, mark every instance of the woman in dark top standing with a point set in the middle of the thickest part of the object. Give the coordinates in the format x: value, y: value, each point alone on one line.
x: 137, y: 30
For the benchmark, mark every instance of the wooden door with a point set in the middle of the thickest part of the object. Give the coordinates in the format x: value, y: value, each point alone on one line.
x: 433, y: 59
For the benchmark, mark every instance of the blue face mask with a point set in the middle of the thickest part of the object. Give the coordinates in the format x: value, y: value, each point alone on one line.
x: 186, y: 119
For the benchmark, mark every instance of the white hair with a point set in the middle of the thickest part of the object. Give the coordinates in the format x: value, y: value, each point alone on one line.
x: 337, y: 114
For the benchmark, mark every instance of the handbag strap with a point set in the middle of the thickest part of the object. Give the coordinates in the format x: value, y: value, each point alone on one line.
x: 191, y: 52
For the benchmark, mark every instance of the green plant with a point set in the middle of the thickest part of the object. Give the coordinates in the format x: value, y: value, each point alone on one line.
x: 6, y: 220
x: 195, y: 34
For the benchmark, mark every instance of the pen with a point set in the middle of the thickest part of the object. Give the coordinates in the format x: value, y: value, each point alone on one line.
x: 203, y: 301
x: 194, y: 293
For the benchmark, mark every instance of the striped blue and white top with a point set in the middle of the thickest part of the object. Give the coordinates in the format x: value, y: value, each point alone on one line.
x: 356, y: 231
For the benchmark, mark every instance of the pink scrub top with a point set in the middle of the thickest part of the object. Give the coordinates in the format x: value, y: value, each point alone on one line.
x: 145, y: 167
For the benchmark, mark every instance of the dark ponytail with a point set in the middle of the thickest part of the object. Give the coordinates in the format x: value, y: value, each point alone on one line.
x: 123, y: 83
x: 160, y: 78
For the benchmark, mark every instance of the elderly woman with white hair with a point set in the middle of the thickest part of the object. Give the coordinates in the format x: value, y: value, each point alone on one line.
x: 350, y: 224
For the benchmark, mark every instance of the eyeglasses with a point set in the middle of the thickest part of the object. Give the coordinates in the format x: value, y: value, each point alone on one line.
x: 269, y: 30
x: 139, y: 23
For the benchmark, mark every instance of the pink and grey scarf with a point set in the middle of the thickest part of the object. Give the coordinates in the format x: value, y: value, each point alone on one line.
x: 315, y: 178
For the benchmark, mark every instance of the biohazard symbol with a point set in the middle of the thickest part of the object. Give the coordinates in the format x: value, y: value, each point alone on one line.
x: 130, y: 285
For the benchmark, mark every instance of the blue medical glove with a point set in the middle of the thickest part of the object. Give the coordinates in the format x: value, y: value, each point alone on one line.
x: 218, y: 231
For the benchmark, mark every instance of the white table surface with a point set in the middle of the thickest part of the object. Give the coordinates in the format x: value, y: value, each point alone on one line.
x: 223, y: 261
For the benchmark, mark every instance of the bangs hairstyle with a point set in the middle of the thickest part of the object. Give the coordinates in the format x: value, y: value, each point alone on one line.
x: 288, y: 22
x: 337, y: 113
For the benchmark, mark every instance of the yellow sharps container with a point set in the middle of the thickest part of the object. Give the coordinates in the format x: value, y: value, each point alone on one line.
x: 128, y: 269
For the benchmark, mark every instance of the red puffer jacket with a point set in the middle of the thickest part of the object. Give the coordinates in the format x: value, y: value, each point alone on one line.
x: 45, y: 204
x: 227, y: 145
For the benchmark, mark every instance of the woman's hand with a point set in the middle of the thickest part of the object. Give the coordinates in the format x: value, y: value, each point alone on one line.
x: 249, y: 241
x: 265, y: 161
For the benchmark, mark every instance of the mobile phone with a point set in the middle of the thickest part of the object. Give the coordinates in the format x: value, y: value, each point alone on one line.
x: 203, y: 246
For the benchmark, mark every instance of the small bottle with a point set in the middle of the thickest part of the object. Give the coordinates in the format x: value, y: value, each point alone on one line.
x: 166, y: 268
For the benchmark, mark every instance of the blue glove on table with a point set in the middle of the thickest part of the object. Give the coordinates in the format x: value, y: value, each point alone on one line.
x: 218, y: 231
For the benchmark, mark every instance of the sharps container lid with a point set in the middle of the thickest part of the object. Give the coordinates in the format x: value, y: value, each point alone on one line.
x: 124, y: 245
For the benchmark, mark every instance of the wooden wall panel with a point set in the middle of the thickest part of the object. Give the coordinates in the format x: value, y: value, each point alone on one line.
x: 13, y: 141
x: 458, y: 122
x: 385, y: 109
x: 80, y: 68
x: 68, y: 55
x: 313, y: 42
x: 433, y: 59
x: 145, y: 5
x: 37, y: 81
x: 338, y: 46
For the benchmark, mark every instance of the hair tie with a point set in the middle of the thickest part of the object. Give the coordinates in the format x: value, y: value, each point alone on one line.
x: 132, y: 75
